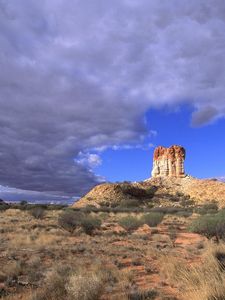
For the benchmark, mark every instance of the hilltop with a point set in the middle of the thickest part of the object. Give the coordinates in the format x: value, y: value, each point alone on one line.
x: 158, y: 191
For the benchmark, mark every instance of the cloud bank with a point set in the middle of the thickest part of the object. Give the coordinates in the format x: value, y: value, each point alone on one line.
x: 77, y: 75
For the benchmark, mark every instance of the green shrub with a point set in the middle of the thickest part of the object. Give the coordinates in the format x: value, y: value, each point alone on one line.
x: 152, y: 219
x: 186, y: 201
x: 184, y: 214
x: 103, y: 216
x: 89, y: 224
x: 105, y: 203
x: 210, y: 225
x: 150, y: 191
x: 166, y: 209
x: 23, y: 202
x: 138, y: 191
x: 30, y: 207
x: 129, y: 203
x: 4, y: 207
x: 37, y: 212
x: 132, y: 190
x: 208, y: 208
x: 56, y: 206
x: 149, y: 205
x: 130, y: 223
x: 90, y: 208
x: 205, y: 225
x: 69, y: 220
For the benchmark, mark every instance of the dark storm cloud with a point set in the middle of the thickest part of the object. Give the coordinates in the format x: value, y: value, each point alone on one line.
x: 77, y: 75
x: 17, y: 195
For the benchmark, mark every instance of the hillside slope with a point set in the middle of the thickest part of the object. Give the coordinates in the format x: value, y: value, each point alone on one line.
x: 157, y: 191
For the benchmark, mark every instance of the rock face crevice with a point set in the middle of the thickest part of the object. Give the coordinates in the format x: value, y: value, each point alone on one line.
x: 169, y: 162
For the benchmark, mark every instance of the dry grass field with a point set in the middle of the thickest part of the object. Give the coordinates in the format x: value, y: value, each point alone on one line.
x: 47, y: 256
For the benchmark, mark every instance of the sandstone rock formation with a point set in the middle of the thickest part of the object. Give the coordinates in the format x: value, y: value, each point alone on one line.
x: 169, y: 162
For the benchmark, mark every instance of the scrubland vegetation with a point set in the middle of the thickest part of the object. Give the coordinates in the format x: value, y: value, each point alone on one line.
x: 55, y: 252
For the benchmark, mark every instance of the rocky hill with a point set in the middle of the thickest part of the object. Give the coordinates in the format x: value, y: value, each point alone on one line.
x: 168, y: 186
x: 159, y: 191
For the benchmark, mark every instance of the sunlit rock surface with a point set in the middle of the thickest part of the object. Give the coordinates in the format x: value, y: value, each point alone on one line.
x: 169, y: 162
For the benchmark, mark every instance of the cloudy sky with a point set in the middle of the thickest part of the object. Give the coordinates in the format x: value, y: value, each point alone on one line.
x: 88, y: 88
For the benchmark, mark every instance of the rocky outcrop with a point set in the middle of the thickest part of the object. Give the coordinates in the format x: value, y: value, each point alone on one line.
x: 163, y: 189
x: 169, y: 162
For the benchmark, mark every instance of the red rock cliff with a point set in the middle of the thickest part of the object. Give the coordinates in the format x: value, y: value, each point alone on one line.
x: 169, y: 161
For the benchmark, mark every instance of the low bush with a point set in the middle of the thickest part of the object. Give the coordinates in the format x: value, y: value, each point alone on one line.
x: 186, y: 202
x: 129, y: 203
x: 210, y: 225
x: 137, y: 191
x: 150, y: 191
x: 89, y: 224
x: 103, y: 216
x: 69, y: 220
x: 184, y: 214
x: 205, y: 225
x: 130, y: 223
x: 152, y: 219
x: 131, y: 190
x: 37, y: 212
x: 208, y: 208
x: 167, y: 209
x: 90, y: 208
x: 56, y: 206
x: 4, y: 207
x: 127, y: 209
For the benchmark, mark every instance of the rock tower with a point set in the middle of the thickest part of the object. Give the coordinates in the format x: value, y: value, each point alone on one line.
x: 169, y: 162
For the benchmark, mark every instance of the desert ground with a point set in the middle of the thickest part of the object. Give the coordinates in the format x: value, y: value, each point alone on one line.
x: 66, y: 253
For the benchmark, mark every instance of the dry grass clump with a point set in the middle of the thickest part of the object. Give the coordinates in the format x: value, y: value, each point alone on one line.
x: 11, y: 271
x: 86, y: 285
x: 55, y: 285
x: 152, y: 219
x: 130, y: 223
x: 21, y: 272
x: 31, y: 241
x: 172, y: 267
x: 204, y: 281
x: 143, y: 295
x: 65, y: 283
x: 207, y: 281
